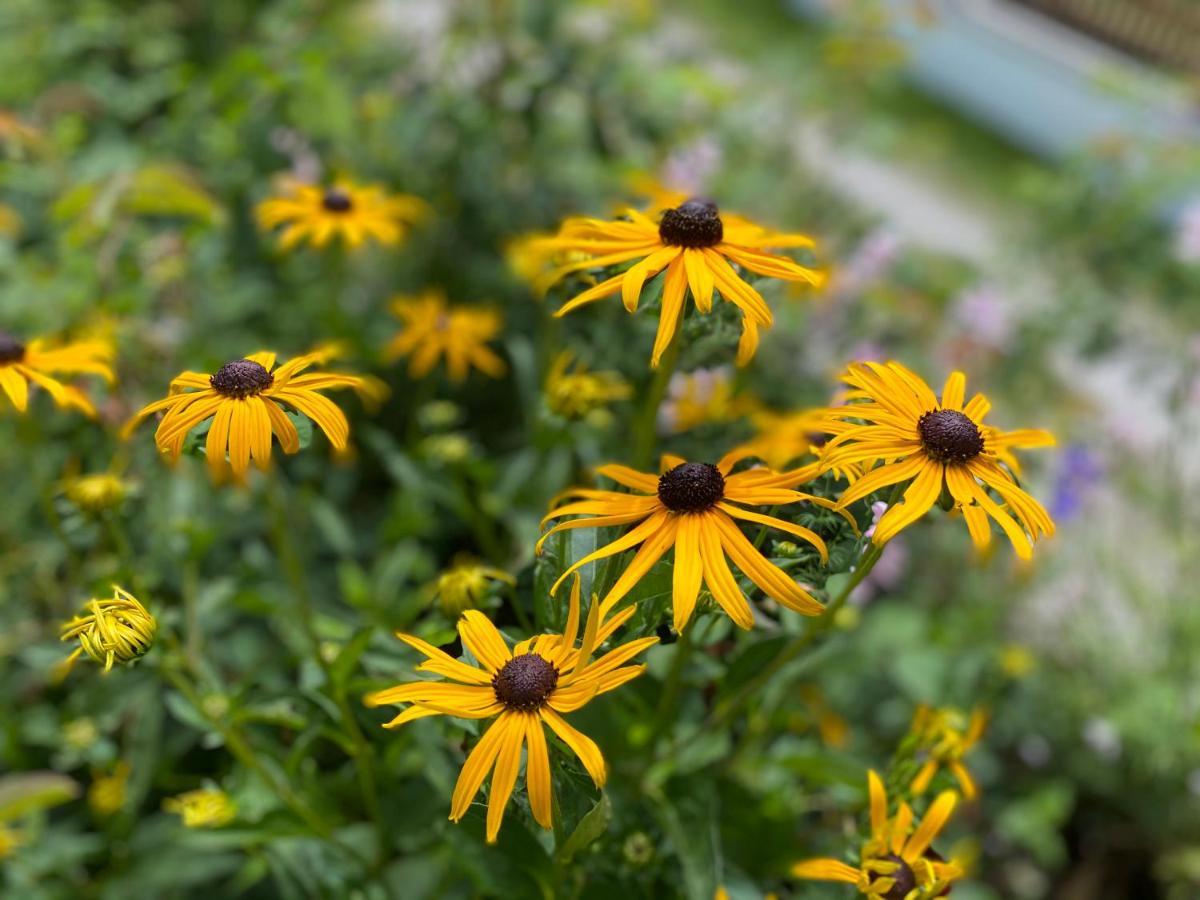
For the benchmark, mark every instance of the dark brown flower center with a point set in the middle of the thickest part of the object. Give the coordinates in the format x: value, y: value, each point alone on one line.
x: 337, y: 200
x: 694, y: 223
x: 525, y: 682
x: 11, y: 350
x: 691, y: 487
x: 241, y: 378
x: 904, y: 877
x: 950, y: 436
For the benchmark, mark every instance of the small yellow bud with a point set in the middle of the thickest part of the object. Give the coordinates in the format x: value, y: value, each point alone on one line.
x: 202, y: 808
x: 117, y: 630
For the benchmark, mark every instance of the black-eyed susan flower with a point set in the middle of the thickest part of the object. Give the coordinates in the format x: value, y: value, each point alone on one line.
x: 697, y: 246
x: 702, y: 397
x: 943, y: 737
x: 343, y: 210
x: 114, y: 630
x: 465, y: 585
x: 694, y: 507
x: 573, y: 392
x: 247, y: 401
x: 23, y: 364
x: 434, y: 330
x: 523, y: 690
x: 895, y: 425
x: 896, y: 862
x: 202, y: 808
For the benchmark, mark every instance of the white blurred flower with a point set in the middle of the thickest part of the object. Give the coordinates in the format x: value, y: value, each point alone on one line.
x: 1187, y: 233
x: 1102, y: 736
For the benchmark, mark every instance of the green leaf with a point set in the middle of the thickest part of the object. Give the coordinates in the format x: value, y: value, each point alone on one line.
x: 590, y: 827
x: 31, y: 792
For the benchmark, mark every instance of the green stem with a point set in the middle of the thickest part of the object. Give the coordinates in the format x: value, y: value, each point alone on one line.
x: 242, y: 750
x: 646, y: 427
x: 819, y: 626
x: 294, y: 569
x: 670, y: 694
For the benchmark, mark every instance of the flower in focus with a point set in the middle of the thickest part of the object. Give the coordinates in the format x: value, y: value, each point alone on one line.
x: 896, y: 426
x: 896, y: 862
x: 465, y: 584
x: 573, y: 392
x: 702, y: 397
x: 434, y: 330
x: 246, y: 400
x: 523, y: 690
x: 96, y: 492
x: 353, y: 213
x: 106, y: 795
x: 24, y: 364
x: 531, y: 257
x: 944, y: 737
x: 115, y: 630
x: 202, y: 808
x: 692, y: 507
x: 695, y: 244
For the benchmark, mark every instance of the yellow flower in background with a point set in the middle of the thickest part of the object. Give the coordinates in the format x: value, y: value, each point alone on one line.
x: 11, y: 840
x: 573, y: 392
x: 833, y: 729
x: 246, y: 400
x: 944, y: 736
x: 896, y: 862
x: 344, y: 210
x: 695, y: 508
x: 17, y: 133
x: 202, y: 808
x: 465, y: 584
x: 1017, y: 661
x: 434, y: 330
x: 695, y: 244
x: 532, y: 257
x: 523, y: 690
x: 894, y: 423
x: 96, y: 492
x: 702, y: 397
x: 10, y: 222
x: 106, y: 795
x: 24, y: 364
x: 115, y: 630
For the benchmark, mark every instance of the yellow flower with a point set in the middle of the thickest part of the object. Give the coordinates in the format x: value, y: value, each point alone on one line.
x: 464, y: 585
x: 21, y: 365
x: 702, y: 397
x: 1017, y: 661
x: 106, y: 795
x: 16, y: 132
x: 532, y: 257
x: 944, y: 737
x: 353, y: 213
x: 434, y: 330
x: 81, y: 733
x: 202, y: 808
x: 695, y: 244
x: 573, y: 392
x: 10, y: 840
x: 96, y: 492
x: 524, y: 690
x: 10, y: 222
x: 894, y: 421
x: 896, y: 862
x: 246, y: 400
x: 115, y: 630
x: 692, y: 507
